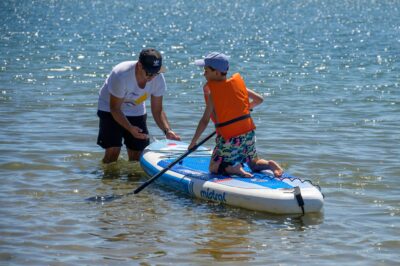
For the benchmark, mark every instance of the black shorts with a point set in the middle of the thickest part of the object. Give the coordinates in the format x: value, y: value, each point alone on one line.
x: 111, y: 133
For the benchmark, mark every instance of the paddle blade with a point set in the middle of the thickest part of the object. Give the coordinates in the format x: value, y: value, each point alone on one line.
x: 101, y: 199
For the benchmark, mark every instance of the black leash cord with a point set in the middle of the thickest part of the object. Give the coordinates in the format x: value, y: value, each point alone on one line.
x: 299, y: 198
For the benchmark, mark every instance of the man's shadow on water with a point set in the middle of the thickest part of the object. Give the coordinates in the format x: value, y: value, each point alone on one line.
x: 116, y: 179
x: 122, y: 169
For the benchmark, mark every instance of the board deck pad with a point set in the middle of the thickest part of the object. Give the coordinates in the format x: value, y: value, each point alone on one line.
x: 197, y: 167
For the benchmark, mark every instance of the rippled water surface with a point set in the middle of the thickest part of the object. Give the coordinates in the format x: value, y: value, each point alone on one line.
x: 329, y: 72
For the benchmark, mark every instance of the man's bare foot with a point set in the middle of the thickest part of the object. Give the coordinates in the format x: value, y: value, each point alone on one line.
x: 237, y: 170
x: 276, y: 169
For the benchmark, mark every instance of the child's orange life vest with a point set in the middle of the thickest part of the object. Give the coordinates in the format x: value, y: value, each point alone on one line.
x: 231, y: 107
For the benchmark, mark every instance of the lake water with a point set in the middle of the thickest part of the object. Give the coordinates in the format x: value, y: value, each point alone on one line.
x: 330, y: 75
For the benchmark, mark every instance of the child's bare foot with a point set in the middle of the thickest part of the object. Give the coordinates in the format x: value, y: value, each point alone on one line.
x: 237, y: 170
x: 276, y: 169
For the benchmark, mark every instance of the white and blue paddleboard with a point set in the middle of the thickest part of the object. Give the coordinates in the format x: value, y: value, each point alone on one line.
x: 262, y: 192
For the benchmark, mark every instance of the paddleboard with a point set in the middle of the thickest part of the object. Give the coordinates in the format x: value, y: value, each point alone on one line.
x: 262, y: 192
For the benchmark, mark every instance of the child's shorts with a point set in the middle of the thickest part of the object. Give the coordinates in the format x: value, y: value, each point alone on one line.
x: 240, y: 149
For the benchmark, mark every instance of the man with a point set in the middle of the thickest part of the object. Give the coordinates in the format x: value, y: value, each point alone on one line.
x: 122, y: 109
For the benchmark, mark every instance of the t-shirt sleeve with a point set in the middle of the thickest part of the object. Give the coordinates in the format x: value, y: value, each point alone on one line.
x: 159, y: 86
x: 115, y: 85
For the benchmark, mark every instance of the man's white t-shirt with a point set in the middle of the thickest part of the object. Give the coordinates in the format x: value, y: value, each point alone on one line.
x: 122, y: 84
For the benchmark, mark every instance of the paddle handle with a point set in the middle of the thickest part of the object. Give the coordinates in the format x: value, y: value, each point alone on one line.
x: 151, y: 180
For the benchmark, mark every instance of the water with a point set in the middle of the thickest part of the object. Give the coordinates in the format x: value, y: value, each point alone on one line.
x: 329, y: 73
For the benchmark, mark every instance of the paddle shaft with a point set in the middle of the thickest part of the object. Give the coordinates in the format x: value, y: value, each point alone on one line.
x: 151, y: 180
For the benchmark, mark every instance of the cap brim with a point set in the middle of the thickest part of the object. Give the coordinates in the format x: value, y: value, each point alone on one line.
x: 200, y: 62
x: 161, y: 70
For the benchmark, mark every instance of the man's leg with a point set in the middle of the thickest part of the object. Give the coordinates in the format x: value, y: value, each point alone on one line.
x: 111, y: 154
x: 133, y: 155
x: 110, y: 136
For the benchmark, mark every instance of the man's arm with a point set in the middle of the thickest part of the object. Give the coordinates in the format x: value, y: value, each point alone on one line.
x: 118, y: 115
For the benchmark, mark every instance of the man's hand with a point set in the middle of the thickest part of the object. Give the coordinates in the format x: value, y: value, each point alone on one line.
x: 172, y: 135
x: 137, y: 133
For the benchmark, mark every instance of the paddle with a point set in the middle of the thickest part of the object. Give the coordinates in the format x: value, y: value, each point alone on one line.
x: 151, y: 180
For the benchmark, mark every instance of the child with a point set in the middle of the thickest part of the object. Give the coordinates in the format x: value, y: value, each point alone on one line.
x: 228, y: 105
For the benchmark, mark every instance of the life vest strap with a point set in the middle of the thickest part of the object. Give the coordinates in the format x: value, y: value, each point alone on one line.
x: 217, y: 125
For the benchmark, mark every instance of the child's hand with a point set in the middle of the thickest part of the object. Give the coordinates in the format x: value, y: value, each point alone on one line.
x: 191, y: 145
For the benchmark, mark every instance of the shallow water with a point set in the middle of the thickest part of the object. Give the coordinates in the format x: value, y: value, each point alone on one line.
x: 329, y: 73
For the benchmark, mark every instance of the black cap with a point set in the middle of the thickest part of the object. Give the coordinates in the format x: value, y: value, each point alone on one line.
x: 151, y: 60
